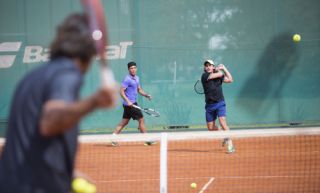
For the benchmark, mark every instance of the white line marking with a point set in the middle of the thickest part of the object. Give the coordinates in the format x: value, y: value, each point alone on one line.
x: 206, y: 185
x: 255, y: 177
x: 121, y: 181
x: 188, y: 178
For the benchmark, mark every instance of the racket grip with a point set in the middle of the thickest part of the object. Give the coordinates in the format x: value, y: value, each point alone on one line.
x: 107, y: 77
x: 135, y: 106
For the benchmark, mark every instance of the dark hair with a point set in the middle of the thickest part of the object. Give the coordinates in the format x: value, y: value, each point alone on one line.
x: 73, y: 39
x: 205, y: 63
x: 208, y: 62
x: 131, y: 64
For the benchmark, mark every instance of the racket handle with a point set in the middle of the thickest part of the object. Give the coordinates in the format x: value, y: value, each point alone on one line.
x: 135, y: 106
x: 107, y: 77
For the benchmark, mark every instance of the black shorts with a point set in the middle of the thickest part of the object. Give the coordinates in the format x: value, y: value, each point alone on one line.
x: 131, y: 112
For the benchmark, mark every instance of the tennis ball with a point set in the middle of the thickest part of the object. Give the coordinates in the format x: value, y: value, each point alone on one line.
x: 90, y: 188
x: 296, y: 38
x: 79, y: 185
x: 193, y: 185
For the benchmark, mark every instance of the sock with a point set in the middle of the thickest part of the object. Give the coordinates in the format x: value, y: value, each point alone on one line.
x: 230, y: 143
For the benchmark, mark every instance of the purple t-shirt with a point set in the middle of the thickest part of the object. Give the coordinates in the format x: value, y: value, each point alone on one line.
x: 131, y: 85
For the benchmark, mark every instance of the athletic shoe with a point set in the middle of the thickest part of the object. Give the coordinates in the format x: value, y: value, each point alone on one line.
x: 224, y: 142
x: 114, y: 144
x: 231, y: 149
x: 148, y: 143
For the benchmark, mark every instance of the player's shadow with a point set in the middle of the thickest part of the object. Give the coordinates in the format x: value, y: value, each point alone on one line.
x: 269, y: 76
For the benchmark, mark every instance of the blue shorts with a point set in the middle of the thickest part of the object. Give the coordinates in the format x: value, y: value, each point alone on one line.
x: 215, y: 110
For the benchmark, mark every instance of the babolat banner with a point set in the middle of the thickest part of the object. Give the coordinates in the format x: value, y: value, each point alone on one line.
x: 36, y: 53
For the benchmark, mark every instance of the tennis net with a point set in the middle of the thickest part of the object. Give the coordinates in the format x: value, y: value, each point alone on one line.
x: 267, y: 160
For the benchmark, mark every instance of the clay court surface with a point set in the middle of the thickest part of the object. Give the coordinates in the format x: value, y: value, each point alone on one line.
x: 263, y: 164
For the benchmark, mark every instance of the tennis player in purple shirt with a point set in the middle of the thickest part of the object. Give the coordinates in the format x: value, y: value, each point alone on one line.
x: 130, y: 87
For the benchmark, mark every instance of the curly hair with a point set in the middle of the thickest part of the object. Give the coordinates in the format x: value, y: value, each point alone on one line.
x: 73, y: 39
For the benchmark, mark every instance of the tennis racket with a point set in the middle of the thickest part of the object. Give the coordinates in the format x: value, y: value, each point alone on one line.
x: 148, y: 111
x: 198, y: 88
x: 97, y: 23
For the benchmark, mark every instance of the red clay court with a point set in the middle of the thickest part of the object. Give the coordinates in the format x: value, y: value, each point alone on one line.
x: 260, y: 164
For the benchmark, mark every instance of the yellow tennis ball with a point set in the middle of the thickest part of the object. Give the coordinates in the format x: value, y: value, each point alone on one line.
x: 296, y: 38
x: 193, y: 185
x: 79, y: 185
x: 90, y: 188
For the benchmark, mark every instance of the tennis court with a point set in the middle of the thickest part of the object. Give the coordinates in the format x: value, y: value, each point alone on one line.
x: 275, y: 84
x: 284, y: 163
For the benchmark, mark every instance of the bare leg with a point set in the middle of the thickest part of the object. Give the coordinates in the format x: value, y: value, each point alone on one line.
x: 118, y: 129
x: 143, y: 129
x: 223, y: 123
x: 212, y: 126
x: 228, y: 141
x: 121, y: 125
x: 142, y: 126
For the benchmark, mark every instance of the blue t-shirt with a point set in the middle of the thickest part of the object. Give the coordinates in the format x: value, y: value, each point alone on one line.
x: 32, y: 163
x: 131, y: 85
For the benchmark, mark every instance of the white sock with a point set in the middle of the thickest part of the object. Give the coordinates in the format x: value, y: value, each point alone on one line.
x: 230, y: 142
x: 114, y: 136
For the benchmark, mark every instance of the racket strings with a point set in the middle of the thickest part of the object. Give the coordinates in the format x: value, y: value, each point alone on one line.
x: 152, y: 112
x: 198, y: 88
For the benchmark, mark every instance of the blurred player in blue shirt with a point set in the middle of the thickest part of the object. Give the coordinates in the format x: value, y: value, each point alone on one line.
x: 41, y: 139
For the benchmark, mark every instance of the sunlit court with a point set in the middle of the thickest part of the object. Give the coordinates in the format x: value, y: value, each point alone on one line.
x: 273, y: 160
x: 149, y: 96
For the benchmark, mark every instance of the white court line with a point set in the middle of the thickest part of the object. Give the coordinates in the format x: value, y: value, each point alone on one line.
x: 147, y: 179
x: 128, y: 180
x: 206, y: 185
x: 199, y: 177
x: 255, y: 177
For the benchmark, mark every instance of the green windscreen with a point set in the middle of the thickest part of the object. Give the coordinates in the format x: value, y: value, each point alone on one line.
x: 276, y: 80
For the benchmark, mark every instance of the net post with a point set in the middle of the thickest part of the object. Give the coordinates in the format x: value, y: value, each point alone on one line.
x: 163, y: 162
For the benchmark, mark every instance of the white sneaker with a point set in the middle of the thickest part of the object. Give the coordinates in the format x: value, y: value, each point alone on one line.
x: 224, y: 142
x: 114, y: 144
x: 114, y: 139
x: 230, y: 149
x: 148, y: 143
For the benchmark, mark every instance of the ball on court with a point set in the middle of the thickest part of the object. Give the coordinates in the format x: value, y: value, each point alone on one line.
x: 97, y: 34
x: 296, y: 38
x: 79, y: 185
x: 193, y: 185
